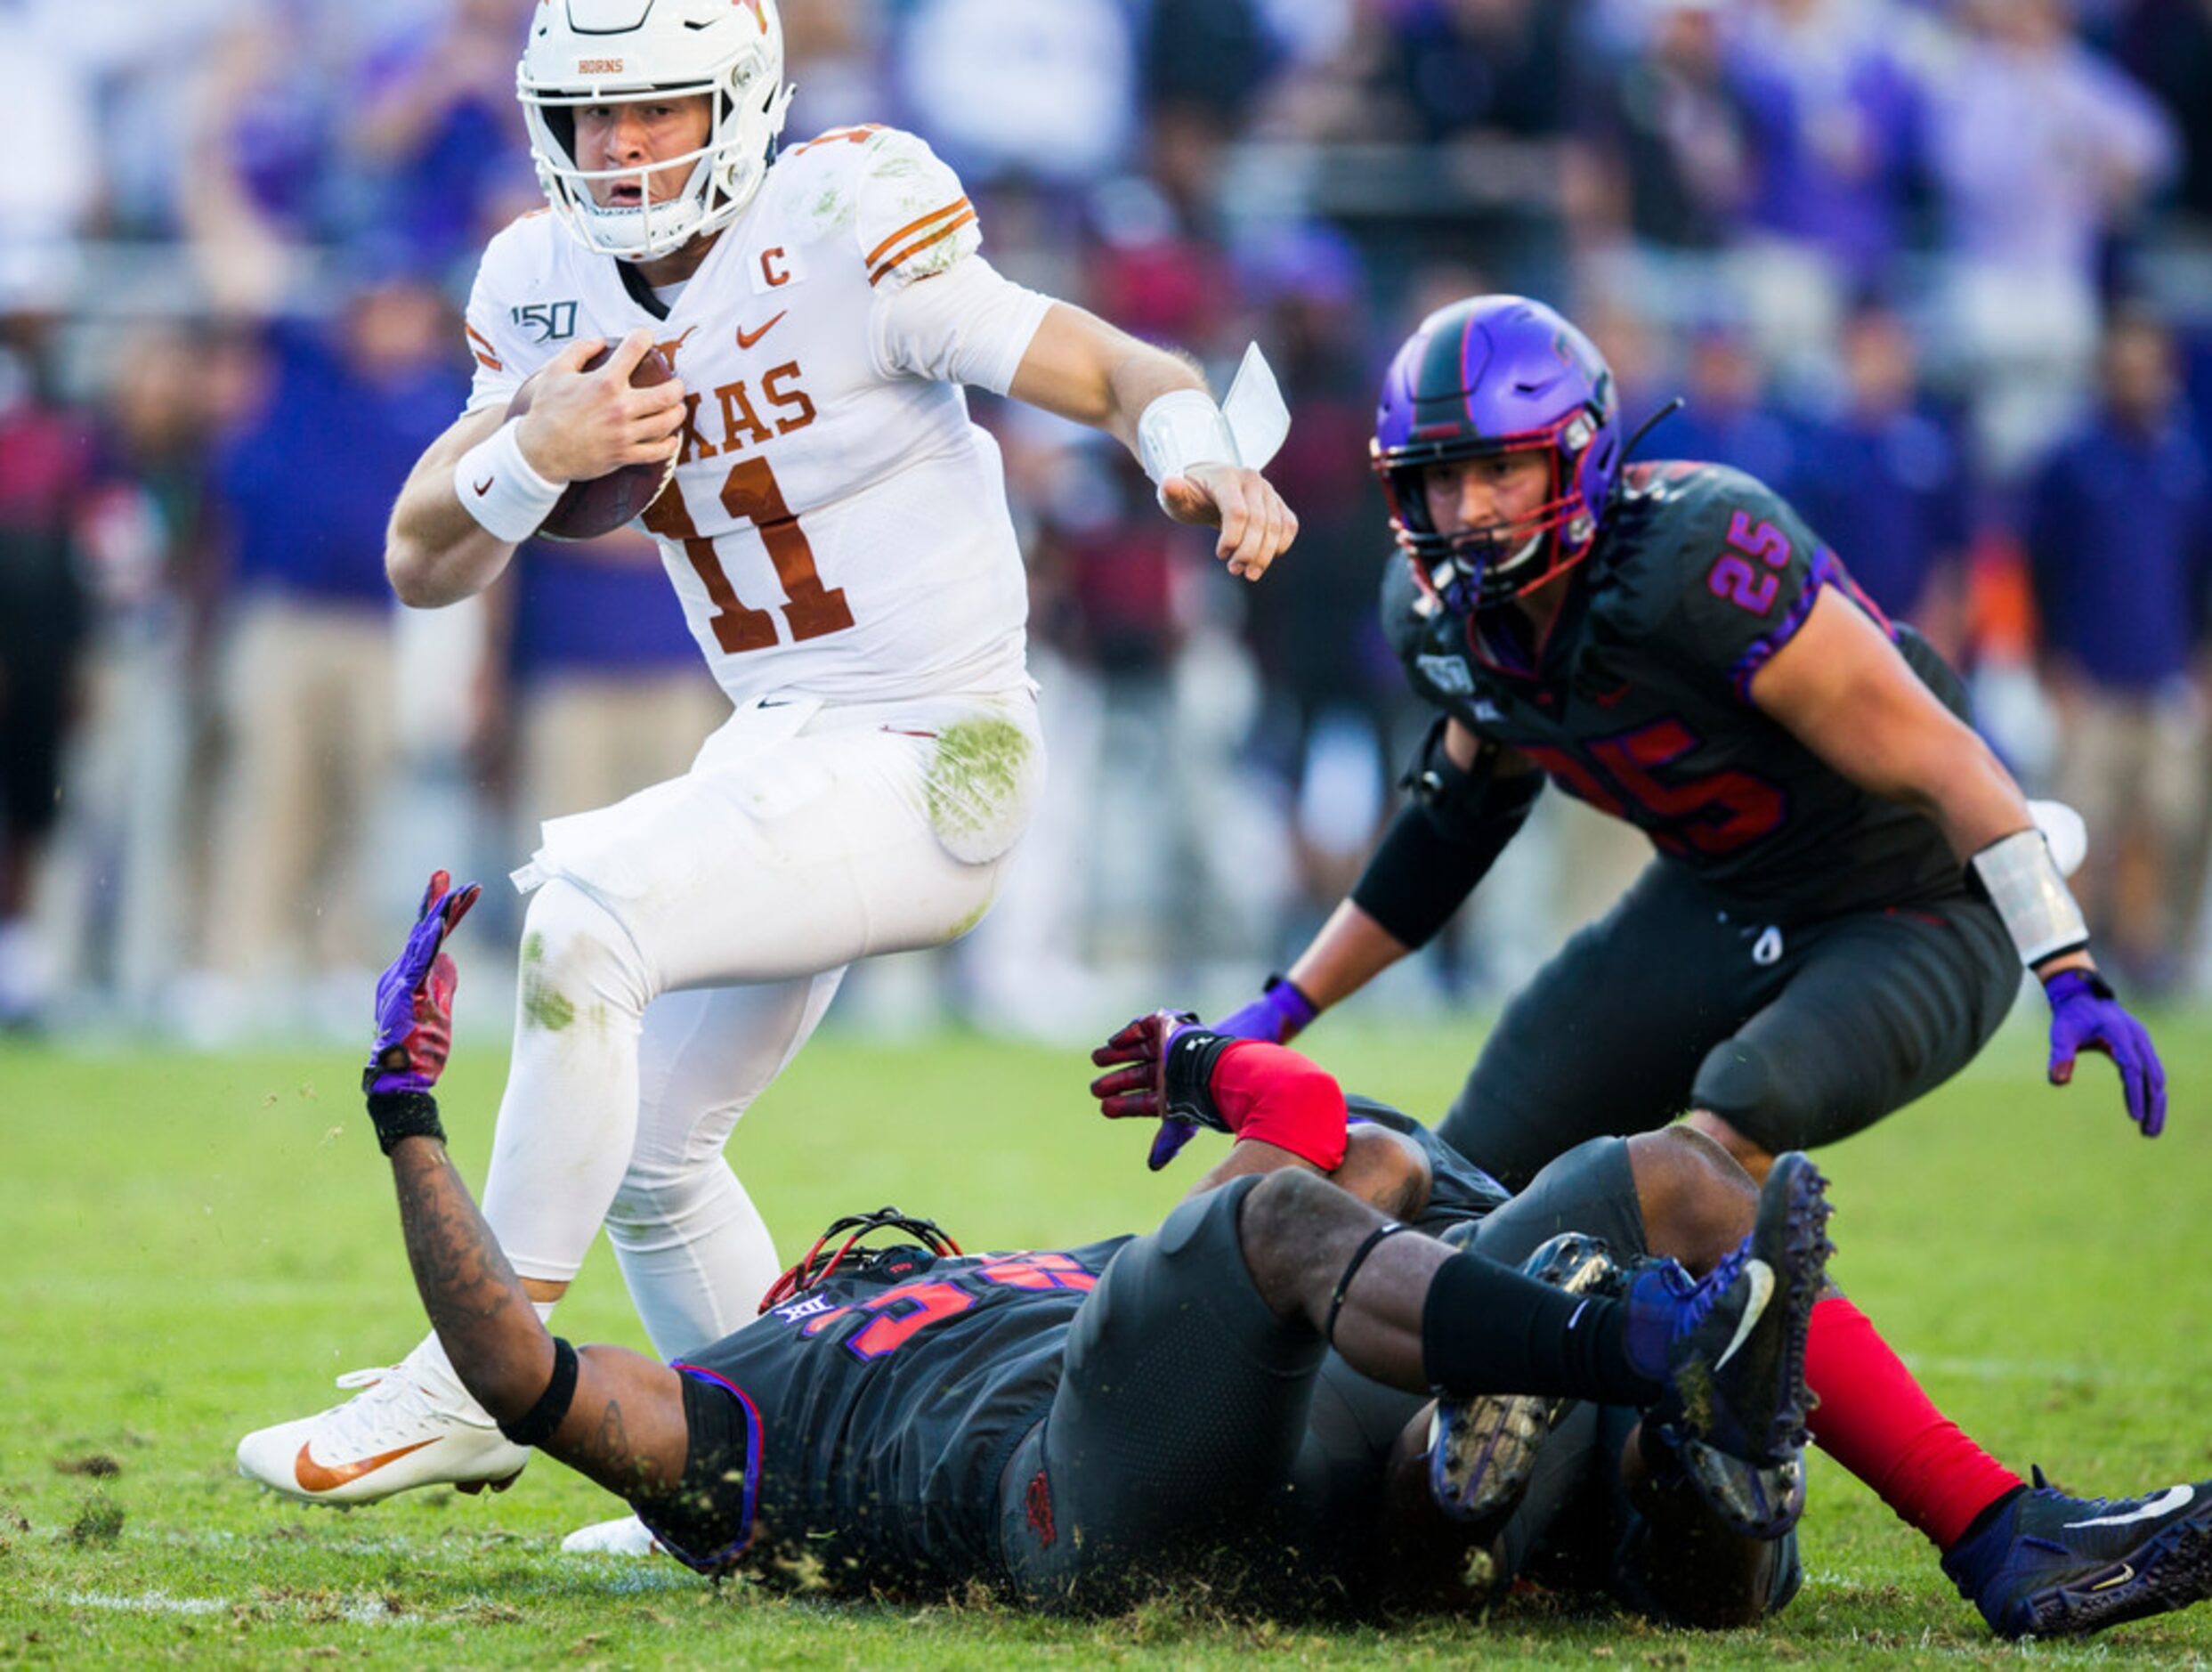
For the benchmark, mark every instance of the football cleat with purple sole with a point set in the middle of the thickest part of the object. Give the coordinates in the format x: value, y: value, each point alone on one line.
x: 1483, y: 1450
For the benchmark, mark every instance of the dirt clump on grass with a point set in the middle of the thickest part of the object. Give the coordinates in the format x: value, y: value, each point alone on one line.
x: 96, y: 1465
x: 99, y: 1522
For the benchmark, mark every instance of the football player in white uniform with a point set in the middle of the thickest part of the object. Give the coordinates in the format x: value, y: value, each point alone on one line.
x: 838, y: 532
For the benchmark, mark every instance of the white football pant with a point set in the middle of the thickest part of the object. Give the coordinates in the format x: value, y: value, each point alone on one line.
x: 681, y: 946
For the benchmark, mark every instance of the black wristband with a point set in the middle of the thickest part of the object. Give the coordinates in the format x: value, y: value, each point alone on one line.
x: 399, y: 1114
x: 1190, y: 1064
x: 536, y: 1426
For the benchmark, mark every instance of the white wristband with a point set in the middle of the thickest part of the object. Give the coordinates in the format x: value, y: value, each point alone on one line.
x: 2023, y: 883
x: 1184, y: 427
x: 1181, y: 429
x: 497, y: 486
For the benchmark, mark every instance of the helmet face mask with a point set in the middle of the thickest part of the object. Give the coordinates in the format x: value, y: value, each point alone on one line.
x: 592, y: 53
x: 1492, y: 376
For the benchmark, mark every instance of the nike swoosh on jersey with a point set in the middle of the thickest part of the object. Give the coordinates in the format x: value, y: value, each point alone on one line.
x: 1760, y: 1276
x: 2164, y: 1504
x: 746, y: 339
x: 314, y: 1477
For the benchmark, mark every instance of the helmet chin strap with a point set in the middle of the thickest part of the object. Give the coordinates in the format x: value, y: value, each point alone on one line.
x: 1465, y: 572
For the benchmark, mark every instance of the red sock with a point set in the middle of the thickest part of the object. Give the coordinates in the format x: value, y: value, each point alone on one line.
x: 1875, y: 1420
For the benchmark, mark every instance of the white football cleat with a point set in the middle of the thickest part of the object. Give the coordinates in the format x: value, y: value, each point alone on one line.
x: 399, y: 1432
x: 625, y: 1536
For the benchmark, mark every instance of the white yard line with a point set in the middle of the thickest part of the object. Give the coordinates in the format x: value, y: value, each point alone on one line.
x: 360, y: 1612
x: 147, y: 1602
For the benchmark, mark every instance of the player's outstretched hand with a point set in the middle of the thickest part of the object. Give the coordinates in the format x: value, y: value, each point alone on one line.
x: 415, y: 997
x: 1256, y: 526
x: 2084, y: 1016
x: 1138, y: 1087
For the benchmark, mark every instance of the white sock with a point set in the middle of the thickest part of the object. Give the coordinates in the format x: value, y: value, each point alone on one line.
x: 569, y: 1118
x: 700, y: 1272
x: 691, y: 1245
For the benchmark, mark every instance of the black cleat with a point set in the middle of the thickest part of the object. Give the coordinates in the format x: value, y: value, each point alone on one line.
x: 1736, y: 1402
x: 2051, y: 1566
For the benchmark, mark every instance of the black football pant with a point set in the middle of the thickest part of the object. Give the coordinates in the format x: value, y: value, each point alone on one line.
x: 1797, y: 1034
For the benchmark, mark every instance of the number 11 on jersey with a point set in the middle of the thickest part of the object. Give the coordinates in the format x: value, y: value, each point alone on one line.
x: 750, y: 491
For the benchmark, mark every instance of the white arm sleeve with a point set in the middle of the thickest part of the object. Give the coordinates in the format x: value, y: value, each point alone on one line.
x: 969, y: 324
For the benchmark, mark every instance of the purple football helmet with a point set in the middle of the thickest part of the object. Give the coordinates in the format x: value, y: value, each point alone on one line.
x: 1488, y: 375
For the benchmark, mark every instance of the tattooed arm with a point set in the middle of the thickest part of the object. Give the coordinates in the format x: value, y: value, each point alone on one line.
x: 625, y: 1428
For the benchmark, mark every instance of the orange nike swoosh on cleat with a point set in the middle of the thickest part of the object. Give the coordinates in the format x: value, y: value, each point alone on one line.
x: 746, y: 339
x: 484, y: 487
x: 313, y: 1477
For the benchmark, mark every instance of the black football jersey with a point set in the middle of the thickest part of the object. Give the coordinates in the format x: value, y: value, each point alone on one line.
x: 1639, y: 701
x: 887, y: 1402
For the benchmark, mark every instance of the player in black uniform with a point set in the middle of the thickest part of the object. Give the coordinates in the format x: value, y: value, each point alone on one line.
x: 1073, y: 1425
x: 1847, y: 879
x: 1199, y: 1404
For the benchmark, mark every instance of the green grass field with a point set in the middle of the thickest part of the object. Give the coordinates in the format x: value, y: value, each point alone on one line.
x: 192, y: 1246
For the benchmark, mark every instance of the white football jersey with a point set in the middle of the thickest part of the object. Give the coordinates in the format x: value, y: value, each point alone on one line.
x: 838, y: 527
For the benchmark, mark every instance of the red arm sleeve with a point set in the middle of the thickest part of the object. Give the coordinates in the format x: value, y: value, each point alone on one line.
x: 1272, y: 1094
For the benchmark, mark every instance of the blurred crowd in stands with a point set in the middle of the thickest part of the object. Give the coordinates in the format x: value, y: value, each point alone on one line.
x: 1940, y: 269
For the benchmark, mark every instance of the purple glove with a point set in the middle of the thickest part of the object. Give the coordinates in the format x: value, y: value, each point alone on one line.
x: 415, y: 997
x: 2084, y: 1016
x: 1278, y: 1015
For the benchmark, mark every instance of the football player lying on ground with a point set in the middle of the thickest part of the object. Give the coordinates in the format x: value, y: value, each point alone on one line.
x: 923, y: 1419
x: 1076, y: 1427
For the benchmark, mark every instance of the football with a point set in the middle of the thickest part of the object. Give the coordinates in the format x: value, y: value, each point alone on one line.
x: 588, y: 509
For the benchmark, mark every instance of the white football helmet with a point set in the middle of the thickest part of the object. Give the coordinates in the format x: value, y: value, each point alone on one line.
x: 626, y: 51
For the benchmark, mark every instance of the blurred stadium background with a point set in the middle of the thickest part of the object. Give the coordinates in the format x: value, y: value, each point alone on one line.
x: 1940, y: 270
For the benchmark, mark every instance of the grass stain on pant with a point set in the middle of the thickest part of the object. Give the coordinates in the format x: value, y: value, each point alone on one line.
x: 976, y: 783
x: 544, y: 1005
